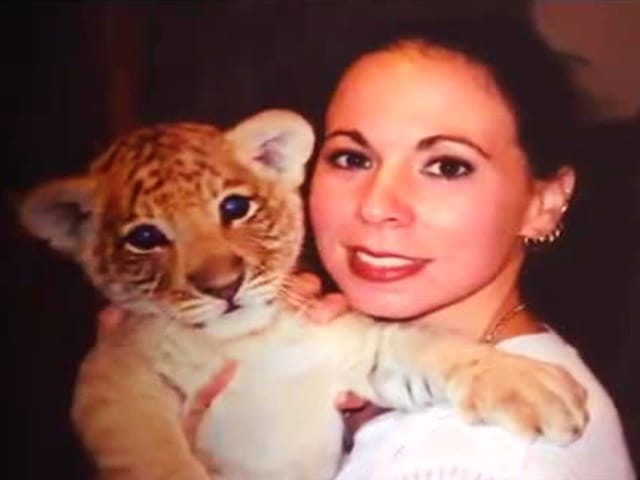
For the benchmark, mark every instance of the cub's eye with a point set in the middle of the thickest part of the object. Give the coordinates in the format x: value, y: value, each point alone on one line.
x: 234, y: 207
x: 349, y: 159
x: 448, y: 167
x: 146, y: 237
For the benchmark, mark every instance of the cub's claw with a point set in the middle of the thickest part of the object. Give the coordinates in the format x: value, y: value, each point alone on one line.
x: 530, y: 398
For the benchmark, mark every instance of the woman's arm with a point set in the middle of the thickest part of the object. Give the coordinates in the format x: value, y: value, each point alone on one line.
x: 438, y: 444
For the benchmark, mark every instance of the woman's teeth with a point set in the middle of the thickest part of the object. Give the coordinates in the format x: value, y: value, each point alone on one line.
x: 382, y: 261
x: 383, y: 268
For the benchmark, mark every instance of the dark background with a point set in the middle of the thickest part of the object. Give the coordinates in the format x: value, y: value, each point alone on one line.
x: 75, y: 75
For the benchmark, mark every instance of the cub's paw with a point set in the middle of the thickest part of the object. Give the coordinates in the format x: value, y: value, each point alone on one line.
x: 528, y: 397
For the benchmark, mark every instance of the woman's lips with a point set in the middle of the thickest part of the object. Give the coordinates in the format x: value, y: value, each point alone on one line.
x: 382, y: 267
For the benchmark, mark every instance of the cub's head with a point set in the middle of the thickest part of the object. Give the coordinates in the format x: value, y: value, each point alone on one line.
x: 184, y: 219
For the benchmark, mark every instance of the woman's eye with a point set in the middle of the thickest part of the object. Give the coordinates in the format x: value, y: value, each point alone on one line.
x: 448, y: 167
x: 234, y: 207
x: 349, y: 159
x: 145, y: 237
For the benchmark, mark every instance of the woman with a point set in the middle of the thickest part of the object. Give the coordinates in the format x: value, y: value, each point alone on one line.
x: 441, y: 162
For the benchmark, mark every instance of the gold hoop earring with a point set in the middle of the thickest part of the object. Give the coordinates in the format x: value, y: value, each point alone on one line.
x: 545, y: 240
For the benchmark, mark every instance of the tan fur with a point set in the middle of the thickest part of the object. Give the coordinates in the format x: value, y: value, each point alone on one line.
x: 210, y: 289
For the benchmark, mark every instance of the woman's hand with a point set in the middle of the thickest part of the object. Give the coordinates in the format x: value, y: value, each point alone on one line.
x: 109, y: 319
x: 355, y: 412
x: 303, y: 291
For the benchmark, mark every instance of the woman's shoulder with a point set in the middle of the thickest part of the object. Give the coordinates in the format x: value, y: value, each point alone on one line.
x: 550, y: 347
x: 601, y: 451
x: 439, y: 442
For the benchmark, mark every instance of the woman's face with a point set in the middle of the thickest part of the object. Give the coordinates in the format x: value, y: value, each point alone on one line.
x: 420, y: 191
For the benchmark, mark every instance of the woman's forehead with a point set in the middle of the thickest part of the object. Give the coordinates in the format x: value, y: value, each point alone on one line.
x: 428, y: 88
x: 423, y: 68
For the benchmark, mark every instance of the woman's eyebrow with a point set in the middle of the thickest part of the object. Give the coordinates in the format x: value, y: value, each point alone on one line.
x: 428, y: 142
x: 354, y: 135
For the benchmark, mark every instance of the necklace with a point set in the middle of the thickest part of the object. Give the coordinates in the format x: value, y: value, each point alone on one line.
x: 494, y: 328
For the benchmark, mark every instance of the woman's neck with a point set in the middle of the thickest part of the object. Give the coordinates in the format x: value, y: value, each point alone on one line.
x: 474, y: 315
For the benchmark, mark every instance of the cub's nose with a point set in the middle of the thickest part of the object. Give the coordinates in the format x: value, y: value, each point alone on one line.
x: 218, y: 277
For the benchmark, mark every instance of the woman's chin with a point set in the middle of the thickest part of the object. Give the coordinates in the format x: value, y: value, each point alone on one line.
x: 393, y: 300
x: 388, y: 310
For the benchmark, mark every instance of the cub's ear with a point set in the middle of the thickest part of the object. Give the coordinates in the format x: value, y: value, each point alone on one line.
x: 56, y: 211
x: 277, y: 142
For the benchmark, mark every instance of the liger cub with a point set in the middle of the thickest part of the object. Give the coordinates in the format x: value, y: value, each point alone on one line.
x: 196, y: 231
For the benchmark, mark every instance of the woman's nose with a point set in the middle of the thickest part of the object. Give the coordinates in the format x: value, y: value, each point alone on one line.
x: 384, y: 200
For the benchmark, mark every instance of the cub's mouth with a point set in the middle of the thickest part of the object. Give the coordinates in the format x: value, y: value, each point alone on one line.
x: 231, y: 306
x: 186, y: 306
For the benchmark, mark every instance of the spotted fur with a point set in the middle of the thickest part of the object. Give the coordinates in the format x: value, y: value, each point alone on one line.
x: 128, y: 187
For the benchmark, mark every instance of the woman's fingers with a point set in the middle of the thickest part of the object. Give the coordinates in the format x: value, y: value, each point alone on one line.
x: 109, y: 319
x: 355, y: 411
x: 306, y: 284
x: 300, y: 289
x: 303, y: 292
x: 327, y: 308
x: 206, y: 396
x: 349, y: 401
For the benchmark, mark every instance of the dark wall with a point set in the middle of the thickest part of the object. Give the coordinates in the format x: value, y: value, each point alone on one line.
x: 75, y: 75
x: 52, y: 119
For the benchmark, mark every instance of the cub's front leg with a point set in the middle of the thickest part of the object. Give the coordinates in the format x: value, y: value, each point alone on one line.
x: 414, y: 366
x: 129, y: 419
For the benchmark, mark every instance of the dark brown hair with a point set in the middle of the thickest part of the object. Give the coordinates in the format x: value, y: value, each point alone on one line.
x: 537, y: 81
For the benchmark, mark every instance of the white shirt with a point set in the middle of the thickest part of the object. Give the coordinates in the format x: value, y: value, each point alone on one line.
x: 438, y: 444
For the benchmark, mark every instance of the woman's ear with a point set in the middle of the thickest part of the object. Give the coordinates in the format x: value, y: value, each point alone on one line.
x: 550, y: 201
